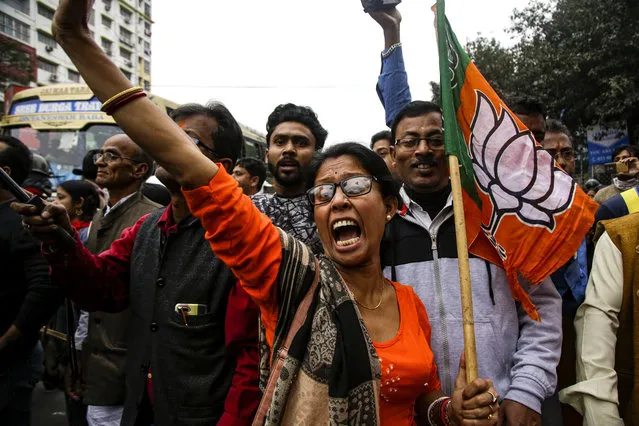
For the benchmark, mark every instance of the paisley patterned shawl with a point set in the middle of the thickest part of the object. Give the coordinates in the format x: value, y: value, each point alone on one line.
x: 332, y: 373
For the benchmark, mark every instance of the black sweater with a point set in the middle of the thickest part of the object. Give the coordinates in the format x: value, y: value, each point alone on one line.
x: 27, y: 297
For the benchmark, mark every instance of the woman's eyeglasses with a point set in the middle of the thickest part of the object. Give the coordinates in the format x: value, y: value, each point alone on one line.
x: 351, y: 187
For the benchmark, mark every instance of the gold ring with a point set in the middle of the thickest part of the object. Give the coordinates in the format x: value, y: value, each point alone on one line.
x: 490, y: 416
x: 494, y: 397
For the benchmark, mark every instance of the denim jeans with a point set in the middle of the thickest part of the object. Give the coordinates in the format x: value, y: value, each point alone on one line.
x: 16, y: 387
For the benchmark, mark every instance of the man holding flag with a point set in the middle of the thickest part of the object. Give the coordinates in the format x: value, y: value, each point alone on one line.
x: 524, y: 218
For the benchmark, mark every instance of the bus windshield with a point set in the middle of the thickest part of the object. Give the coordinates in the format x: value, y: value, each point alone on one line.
x: 65, y: 148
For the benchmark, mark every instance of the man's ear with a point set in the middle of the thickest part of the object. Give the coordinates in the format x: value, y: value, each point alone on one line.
x: 140, y: 170
x: 7, y: 170
x: 255, y: 180
x: 266, y: 156
x: 227, y: 163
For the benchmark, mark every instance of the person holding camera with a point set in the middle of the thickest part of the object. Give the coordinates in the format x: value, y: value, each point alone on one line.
x: 622, y: 181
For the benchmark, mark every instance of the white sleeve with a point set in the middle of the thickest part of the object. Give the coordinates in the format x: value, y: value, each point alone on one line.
x: 82, y: 330
x: 595, y: 394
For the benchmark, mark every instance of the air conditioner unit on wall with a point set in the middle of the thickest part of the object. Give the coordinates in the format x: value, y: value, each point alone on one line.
x: 54, y: 77
x: 49, y: 49
x: 127, y: 20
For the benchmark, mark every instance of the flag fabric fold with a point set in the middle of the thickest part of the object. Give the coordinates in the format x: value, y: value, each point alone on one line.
x: 522, y: 211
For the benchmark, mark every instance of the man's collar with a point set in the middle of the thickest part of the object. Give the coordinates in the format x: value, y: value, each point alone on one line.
x: 410, y: 204
x: 119, y: 203
x: 166, y: 222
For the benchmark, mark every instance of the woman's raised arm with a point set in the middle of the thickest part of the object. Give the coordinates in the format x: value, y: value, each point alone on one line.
x: 141, y: 119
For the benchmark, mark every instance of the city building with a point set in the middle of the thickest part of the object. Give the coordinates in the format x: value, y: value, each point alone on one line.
x: 121, y: 27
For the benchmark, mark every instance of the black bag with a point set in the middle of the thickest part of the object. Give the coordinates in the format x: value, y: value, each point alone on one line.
x: 379, y: 5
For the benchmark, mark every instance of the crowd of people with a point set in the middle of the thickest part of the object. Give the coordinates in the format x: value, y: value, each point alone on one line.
x: 331, y: 297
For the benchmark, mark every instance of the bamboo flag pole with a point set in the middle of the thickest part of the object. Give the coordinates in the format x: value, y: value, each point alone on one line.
x: 464, y: 271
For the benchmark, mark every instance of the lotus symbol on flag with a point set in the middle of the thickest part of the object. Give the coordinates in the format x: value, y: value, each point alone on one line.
x: 514, y: 171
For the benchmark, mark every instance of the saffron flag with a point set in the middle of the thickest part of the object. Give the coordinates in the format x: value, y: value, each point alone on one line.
x: 522, y: 210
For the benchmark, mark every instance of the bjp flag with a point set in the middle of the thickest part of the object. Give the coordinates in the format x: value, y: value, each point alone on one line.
x: 522, y: 211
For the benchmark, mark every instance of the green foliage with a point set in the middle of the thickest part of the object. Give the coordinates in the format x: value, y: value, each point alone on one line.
x: 16, y: 66
x: 579, y: 57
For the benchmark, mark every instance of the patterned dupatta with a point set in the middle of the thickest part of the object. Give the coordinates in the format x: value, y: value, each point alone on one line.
x: 332, y: 373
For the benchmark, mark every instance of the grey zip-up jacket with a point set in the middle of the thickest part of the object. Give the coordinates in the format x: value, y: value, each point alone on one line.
x: 518, y: 354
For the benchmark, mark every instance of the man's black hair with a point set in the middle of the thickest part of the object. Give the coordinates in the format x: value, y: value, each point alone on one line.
x: 17, y: 157
x: 254, y: 167
x: 297, y: 114
x: 633, y: 150
x: 526, y: 105
x: 413, y: 109
x: 370, y: 161
x: 228, y: 141
x: 383, y: 135
x: 556, y: 126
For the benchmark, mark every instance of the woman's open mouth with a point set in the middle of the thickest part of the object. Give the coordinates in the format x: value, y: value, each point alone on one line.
x: 346, y: 232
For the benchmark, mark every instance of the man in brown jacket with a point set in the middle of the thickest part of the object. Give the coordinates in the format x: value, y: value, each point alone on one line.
x: 607, y: 325
x: 122, y: 169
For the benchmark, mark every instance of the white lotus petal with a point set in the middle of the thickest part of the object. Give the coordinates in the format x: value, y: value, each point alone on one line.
x: 485, y: 118
x: 506, y: 130
x: 503, y: 200
x: 543, y: 178
x: 516, y: 168
x: 562, y: 191
x: 482, y: 178
x: 530, y: 213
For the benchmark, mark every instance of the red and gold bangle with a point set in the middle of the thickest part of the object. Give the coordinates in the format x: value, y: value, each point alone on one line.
x: 122, y: 102
x: 119, y: 96
x: 437, y: 412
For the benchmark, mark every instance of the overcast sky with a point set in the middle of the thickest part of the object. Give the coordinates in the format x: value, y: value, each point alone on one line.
x: 255, y: 54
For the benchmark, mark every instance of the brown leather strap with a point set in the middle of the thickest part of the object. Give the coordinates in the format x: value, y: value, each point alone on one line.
x: 276, y: 368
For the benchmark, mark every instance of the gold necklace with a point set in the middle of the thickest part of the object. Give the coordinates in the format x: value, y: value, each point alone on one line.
x: 368, y: 307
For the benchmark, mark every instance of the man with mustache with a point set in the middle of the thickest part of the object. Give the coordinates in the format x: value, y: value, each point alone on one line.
x: 293, y: 135
x: 517, y: 353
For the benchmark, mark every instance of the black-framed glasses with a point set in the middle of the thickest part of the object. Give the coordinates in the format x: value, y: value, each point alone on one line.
x: 351, y: 187
x: 109, y: 157
x: 411, y: 143
x: 200, y: 144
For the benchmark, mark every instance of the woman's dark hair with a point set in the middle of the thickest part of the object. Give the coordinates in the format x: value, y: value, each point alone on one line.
x: 369, y: 160
x: 297, y: 114
x: 83, y: 189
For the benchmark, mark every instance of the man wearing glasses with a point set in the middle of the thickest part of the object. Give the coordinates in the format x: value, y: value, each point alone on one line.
x: 191, y: 341
x: 419, y: 249
x: 122, y: 168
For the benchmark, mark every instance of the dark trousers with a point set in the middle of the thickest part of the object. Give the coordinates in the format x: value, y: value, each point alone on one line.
x: 16, y: 387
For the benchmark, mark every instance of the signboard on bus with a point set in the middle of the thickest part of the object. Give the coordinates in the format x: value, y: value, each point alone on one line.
x: 603, y: 139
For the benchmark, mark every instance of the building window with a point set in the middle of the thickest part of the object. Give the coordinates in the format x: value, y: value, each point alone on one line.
x: 147, y: 66
x: 21, y: 5
x: 47, y: 66
x: 45, y: 11
x: 92, y: 18
x: 14, y: 28
x: 125, y: 36
x: 106, y: 21
x: 74, y: 76
x: 147, y: 9
x: 125, y: 54
x: 126, y: 73
x: 107, y: 45
x: 147, y: 86
x: 46, y: 39
x: 126, y: 14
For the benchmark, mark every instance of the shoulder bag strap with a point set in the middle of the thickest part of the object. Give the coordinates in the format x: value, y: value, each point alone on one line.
x: 276, y: 368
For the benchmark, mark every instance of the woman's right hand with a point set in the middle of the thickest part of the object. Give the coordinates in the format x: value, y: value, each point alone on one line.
x: 473, y: 403
x: 71, y: 18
